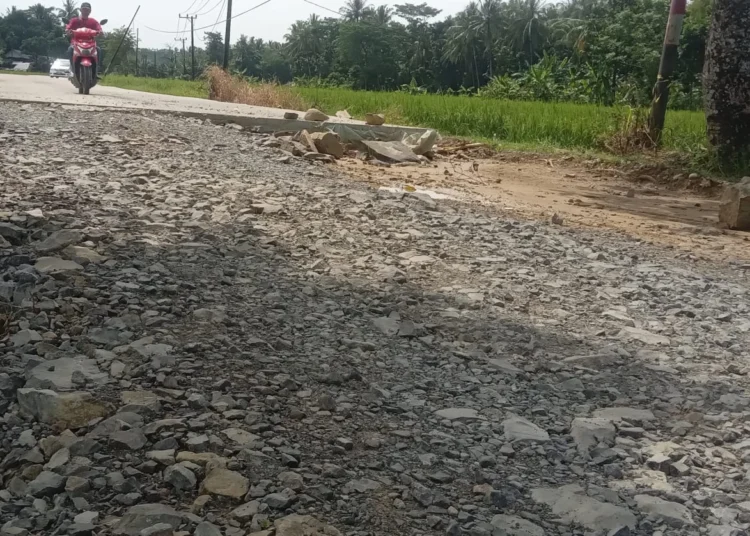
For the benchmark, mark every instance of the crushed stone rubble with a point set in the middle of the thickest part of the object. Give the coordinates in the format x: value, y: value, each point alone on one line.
x: 201, y: 337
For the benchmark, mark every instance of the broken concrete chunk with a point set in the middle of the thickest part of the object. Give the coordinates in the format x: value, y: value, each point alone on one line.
x: 314, y: 114
x: 374, y: 119
x: 306, y: 139
x: 328, y: 143
x: 425, y: 143
x: 391, y: 151
x: 734, y: 211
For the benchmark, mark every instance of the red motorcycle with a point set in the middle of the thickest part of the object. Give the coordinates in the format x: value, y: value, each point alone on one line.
x: 85, y: 59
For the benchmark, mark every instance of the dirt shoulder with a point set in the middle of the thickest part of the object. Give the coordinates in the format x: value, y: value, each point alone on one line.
x: 681, y: 215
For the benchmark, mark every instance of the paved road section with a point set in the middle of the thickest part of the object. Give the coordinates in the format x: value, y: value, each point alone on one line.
x: 48, y: 90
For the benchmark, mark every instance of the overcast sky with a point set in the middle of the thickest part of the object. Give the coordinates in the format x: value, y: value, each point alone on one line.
x: 269, y: 22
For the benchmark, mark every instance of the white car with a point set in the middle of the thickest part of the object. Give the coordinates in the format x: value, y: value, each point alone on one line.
x: 59, y: 69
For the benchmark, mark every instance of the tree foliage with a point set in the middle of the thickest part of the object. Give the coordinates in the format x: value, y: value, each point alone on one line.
x: 602, y: 51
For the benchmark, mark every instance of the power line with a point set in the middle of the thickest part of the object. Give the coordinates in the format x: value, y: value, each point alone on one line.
x: 190, y: 7
x: 212, y: 25
x: 323, y: 7
x: 219, y: 16
x: 217, y: 4
x: 197, y: 9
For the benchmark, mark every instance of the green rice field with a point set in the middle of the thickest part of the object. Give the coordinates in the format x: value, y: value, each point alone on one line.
x: 528, y: 124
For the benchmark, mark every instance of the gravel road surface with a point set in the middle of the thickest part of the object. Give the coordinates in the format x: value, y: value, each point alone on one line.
x: 201, y: 335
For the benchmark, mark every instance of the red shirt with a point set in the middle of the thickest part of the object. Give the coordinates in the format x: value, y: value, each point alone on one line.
x: 77, y: 23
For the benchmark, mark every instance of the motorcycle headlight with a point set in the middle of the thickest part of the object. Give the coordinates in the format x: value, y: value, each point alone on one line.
x: 86, y: 51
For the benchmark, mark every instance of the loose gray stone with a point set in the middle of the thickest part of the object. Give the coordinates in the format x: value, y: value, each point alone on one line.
x: 588, y: 433
x: 144, y: 516
x: 207, y: 529
x: 672, y: 513
x: 573, y: 505
x: 58, y: 240
x: 458, y: 414
x: 516, y: 526
x: 180, y: 477
x: 518, y: 429
x: 46, y: 484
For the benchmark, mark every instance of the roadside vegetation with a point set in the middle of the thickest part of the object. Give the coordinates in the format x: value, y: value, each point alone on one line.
x: 532, y: 124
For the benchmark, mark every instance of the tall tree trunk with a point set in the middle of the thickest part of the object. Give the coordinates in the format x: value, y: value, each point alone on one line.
x: 726, y: 80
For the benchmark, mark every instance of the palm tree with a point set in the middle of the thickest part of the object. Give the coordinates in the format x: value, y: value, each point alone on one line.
x: 355, y: 10
x: 304, y: 43
x: 68, y: 11
x: 726, y: 83
x: 487, y: 22
x: 383, y: 15
x: 42, y: 13
x: 462, y: 39
x: 527, y: 28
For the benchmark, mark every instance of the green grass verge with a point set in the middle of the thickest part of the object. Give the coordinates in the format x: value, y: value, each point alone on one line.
x: 533, y: 125
x: 165, y: 86
x: 22, y: 73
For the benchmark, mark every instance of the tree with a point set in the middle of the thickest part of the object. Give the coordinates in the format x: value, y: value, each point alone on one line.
x: 109, y: 44
x: 355, y: 10
x: 214, y: 47
x: 486, y: 23
x: 305, y: 45
x: 727, y: 81
x: 416, y: 12
x: 527, y: 28
x: 247, y: 54
x: 368, y: 54
x: 463, y: 41
x: 68, y: 11
x: 383, y: 15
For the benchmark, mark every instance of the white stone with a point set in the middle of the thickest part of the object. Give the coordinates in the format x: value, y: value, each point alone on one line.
x: 519, y: 429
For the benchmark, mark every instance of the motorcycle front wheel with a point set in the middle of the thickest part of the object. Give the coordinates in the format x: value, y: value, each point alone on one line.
x: 87, y: 79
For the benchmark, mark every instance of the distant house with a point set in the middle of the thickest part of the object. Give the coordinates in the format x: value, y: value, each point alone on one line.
x: 16, y: 56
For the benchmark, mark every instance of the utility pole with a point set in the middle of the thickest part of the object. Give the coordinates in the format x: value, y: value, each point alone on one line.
x: 192, y: 39
x: 156, y: 71
x: 227, y: 46
x: 184, y: 58
x: 137, y: 40
x: 669, y: 56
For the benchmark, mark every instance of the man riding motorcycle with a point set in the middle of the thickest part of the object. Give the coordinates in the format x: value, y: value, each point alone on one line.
x: 84, y: 21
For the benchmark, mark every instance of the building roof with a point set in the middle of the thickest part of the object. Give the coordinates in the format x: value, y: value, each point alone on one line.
x: 16, y: 55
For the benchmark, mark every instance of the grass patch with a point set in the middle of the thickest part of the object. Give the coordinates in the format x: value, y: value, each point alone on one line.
x: 22, y: 73
x: 164, y: 86
x: 539, y: 126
